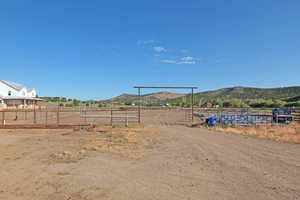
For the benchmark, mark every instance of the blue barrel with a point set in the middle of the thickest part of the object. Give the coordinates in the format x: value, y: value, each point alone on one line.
x: 212, y: 121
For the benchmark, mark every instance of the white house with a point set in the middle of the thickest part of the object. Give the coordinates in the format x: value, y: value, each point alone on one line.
x: 16, y: 95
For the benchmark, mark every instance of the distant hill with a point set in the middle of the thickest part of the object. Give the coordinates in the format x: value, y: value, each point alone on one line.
x: 251, y: 93
x: 165, y: 95
x: 244, y: 93
x: 293, y: 99
x: 147, y: 98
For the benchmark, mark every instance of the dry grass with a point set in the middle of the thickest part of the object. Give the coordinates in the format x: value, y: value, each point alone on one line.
x: 33, y: 131
x: 126, y: 142
x: 67, y: 157
x: 298, y: 130
x: 284, y: 133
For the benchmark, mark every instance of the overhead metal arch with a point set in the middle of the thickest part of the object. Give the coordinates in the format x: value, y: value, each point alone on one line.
x: 163, y: 87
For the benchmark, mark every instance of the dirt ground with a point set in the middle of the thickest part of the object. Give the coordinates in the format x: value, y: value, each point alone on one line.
x: 153, y: 162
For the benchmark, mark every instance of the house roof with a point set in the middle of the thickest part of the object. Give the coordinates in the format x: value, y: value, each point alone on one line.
x: 13, y: 85
x: 16, y: 86
x: 29, y: 89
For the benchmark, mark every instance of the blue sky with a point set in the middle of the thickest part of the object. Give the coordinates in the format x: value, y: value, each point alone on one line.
x: 99, y: 49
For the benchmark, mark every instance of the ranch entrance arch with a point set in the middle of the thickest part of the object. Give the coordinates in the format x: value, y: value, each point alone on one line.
x: 139, y: 89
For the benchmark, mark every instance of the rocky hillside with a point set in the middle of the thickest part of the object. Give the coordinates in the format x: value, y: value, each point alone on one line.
x: 147, y: 98
x: 251, y: 93
x: 244, y: 93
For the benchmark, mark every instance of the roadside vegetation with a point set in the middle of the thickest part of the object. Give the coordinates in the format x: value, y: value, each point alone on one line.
x: 72, y: 103
x: 285, y: 133
x: 185, y: 103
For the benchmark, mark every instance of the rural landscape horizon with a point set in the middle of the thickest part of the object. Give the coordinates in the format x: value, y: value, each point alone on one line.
x: 98, y: 50
x: 225, y: 97
x: 150, y: 100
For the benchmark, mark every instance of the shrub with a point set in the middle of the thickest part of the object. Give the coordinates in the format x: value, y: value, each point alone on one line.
x: 292, y: 104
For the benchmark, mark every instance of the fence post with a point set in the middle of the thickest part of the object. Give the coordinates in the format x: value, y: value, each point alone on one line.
x: 139, y: 107
x: 46, y: 117
x: 126, y: 119
x: 111, y: 117
x: 57, y: 116
x: 192, y: 105
x: 3, y: 118
x: 34, y: 115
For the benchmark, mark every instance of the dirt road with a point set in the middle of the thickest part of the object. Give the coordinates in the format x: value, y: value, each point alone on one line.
x: 193, y: 164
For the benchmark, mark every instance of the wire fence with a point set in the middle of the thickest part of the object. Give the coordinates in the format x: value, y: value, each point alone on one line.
x: 123, y: 115
x: 66, y: 117
x: 250, y: 116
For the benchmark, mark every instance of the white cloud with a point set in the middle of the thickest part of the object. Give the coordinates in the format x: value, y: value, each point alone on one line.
x: 159, y: 49
x: 145, y: 42
x: 187, y: 60
x: 169, y: 61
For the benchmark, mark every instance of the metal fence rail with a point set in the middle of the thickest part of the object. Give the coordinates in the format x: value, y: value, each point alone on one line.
x: 296, y: 114
x: 113, y: 116
x: 246, y: 120
x: 63, y: 117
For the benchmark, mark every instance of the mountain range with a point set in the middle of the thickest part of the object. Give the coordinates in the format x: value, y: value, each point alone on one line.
x: 245, y: 93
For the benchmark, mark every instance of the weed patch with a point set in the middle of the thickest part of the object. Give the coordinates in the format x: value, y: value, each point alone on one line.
x: 66, y: 157
x: 126, y: 142
x: 286, y: 133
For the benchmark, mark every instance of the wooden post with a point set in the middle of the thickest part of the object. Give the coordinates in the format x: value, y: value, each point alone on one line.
x: 46, y: 117
x: 126, y: 119
x: 111, y: 116
x: 139, y: 108
x: 34, y: 115
x: 3, y: 118
x: 192, y: 105
x: 185, y: 114
x: 57, y: 116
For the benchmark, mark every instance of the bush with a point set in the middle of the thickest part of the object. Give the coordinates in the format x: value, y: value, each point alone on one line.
x: 128, y: 103
x: 234, y: 103
x: 267, y: 104
x: 292, y: 104
x: 76, y: 103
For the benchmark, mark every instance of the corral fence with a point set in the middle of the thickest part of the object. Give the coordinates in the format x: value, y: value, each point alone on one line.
x: 296, y: 114
x: 213, y: 111
x: 65, y: 118
x: 68, y: 117
x: 250, y: 116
